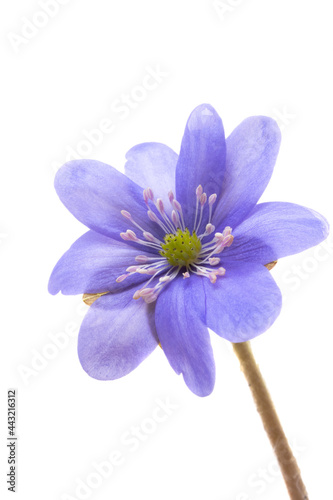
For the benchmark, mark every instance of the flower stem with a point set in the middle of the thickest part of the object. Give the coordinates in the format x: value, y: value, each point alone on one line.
x: 287, y: 462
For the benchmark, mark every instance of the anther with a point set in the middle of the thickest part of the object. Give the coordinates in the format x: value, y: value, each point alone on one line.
x: 165, y: 279
x: 132, y: 269
x: 152, y: 216
x: 203, y: 199
x: 175, y: 218
x: 121, y: 278
x: 142, y: 259
x: 150, y: 194
x: 160, y: 206
x: 228, y: 240
x: 150, y: 271
x: 199, y: 191
x: 210, y: 228
x: 126, y: 214
x: 220, y: 271
x: 146, y: 291
x: 177, y: 206
x: 131, y: 235
x: 212, y: 277
x: 150, y: 298
x: 212, y: 199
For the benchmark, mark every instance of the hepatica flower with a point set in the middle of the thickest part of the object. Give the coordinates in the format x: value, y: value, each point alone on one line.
x: 179, y: 245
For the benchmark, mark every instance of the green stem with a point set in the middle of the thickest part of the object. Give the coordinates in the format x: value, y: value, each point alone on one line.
x: 287, y: 462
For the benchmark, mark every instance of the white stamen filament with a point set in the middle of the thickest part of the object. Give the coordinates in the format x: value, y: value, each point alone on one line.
x: 202, y: 200
x: 177, y: 206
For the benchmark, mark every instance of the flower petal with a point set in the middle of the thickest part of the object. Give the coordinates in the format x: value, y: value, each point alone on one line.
x: 274, y: 230
x: 252, y: 149
x: 243, y: 303
x: 184, y: 336
x: 95, y: 193
x: 92, y: 265
x: 201, y: 159
x: 153, y: 165
x: 116, y: 335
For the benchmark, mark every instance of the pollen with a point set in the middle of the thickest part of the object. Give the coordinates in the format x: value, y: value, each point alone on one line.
x: 181, y: 248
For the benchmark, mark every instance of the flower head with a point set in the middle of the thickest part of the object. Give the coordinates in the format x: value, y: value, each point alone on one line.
x: 179, y: 245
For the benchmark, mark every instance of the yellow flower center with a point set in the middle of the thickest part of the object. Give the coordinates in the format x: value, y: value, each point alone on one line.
x: 182, y: 248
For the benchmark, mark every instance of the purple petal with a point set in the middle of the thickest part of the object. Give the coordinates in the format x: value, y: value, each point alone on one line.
x: 201, y: 159
x: 252, y: 149
x: 184, y: 336
x: 92, y: 265
x: 96, y: 193
x: 153, y: 165
x: 274, y: 230
x: 243, y: 303
x: 116, y: 335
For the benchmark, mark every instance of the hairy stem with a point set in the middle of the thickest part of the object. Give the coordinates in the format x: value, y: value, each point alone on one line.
x: 287, y: 462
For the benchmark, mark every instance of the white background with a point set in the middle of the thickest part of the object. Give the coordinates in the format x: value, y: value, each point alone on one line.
x: 63, y: 78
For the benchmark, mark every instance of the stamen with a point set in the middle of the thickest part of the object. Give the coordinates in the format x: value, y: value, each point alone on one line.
x: 121, y: 278
x: 160, y: 206
x: 212, y: 277
x: 132, y: 269
x: 153, y: 293
x: 181, y: 247
x: 146, y: 291
x: 175, y: 218
x: 164, y: 279
x: 177, y: 206
x: 138, y: 293
x: 129, y: 236
x: 199, y: 191
x: 209, y: 230
x: 211, y: 201
x: 152, y: 216
x: 151, y: 298
x: 126, y: 214
x: 203, y: 199
x: 150, y: 194
x: 150, y: 237
x: 143, y: 259
x: 221, y: 271
x: 150, y: 271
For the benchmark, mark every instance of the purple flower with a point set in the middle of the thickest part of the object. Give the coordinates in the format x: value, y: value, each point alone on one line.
x: 180, y: 245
